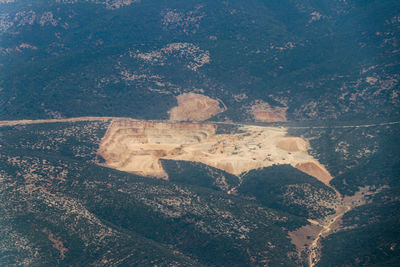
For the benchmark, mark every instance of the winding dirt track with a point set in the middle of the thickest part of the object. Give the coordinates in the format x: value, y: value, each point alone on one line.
x: 325, y: 231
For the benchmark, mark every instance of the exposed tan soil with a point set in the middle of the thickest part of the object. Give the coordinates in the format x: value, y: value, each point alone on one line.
x: 293, y: 144
x: 271, y: 115
x: 195, y: 107
x: 314, y: 255
x: 136, y: 146
x: 315, y: 169
x: 304, y: 236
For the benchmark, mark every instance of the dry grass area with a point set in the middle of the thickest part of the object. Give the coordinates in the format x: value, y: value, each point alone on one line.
x: 57, y: 243
x: 137, y: 146
x: 304, y: 236
x: 195, y: 107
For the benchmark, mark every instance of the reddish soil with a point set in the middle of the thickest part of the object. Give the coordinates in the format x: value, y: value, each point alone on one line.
x: 315, y: 170
x: 195, y: 107
x: 271, y: 115
x: 263, y: 112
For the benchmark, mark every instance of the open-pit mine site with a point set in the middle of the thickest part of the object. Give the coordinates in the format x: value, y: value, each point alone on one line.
x: 137, y: 146
x: 103, y: 183
x: 199, y: 133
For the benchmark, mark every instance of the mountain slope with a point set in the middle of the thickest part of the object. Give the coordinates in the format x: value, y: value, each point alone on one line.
x: 309, y: 59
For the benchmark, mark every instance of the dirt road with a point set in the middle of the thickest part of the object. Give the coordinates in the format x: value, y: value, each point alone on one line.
x: 90, y: 118
x: 24, y: 122
x: 327, y: 228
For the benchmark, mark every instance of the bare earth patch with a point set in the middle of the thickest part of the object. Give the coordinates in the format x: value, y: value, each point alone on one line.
x: 315, y: 169
x: 304, y: 236
x: 263, y: 112
x: 195, y: 107
x: 293, y: 144
x: 57, y: 243
x: 137, y: 146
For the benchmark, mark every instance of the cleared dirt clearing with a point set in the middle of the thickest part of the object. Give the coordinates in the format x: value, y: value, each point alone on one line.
x: 293, y: 144
x: 263, y: 112
x: 195, y: 107
x: 315, y: 169
x: 136, y: 146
